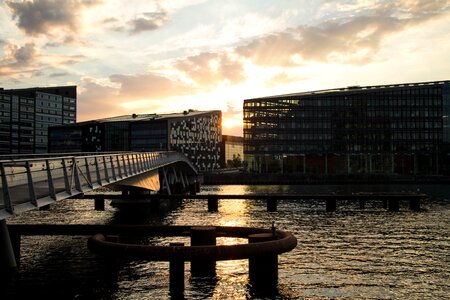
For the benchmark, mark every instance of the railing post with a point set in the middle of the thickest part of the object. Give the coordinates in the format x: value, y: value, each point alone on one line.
x: 129, y: 165
x: 111, y: 159
x: 134, y: 163
x: 119, y: 170
x: 30, y: 184
x: 66, y: 177
x: 6, y: 195
x: 105, y: 166
x: 125, y: 172
x: 76, y: 174
x: 97, y: 171
x: 88, y: 172
x: 141, y: 162
x: 51, y: 186
x: 147, y: 160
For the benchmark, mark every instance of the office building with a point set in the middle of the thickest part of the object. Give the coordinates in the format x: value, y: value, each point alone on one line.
x: 26, y: 114
x: 197, y: 134
x: 232, y: 150
x: 389, y: 129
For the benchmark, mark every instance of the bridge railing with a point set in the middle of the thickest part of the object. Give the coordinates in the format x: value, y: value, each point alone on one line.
x: 29, y: 183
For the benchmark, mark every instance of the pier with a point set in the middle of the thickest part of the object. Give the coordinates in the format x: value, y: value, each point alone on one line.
x: 391, y: 201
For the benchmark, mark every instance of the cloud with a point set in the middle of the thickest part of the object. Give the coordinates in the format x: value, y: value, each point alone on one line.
x: 58, y: 74
x: 149, y: 86
x: 18, y: 59
x: 43, y: 17
x: 207, y: 69
x: 97, y: 101
x: 148, y: 22
x: 354, y: 39
x: 137, y: 92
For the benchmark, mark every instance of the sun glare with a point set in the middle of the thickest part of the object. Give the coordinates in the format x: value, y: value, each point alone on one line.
x: 228, y: 122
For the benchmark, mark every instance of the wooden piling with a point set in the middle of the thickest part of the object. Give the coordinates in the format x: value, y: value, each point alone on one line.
x: 330, y: 205
x: 271, y: 205
x: 192, y: 189
x: 176, y: 274
x: 414, y: 204
x: 99, y: 204
x: 213, y: 205
x: 263, y: 269
x: 393, y: 205
x: 201, y: 236
x: 362, y: 203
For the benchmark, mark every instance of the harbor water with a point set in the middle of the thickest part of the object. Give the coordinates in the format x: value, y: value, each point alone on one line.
x: 352, y: 253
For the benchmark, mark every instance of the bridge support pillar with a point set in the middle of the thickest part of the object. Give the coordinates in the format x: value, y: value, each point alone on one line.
x: 393, y: 205
x: 263, y: 269
x: 99, y: 204
x: 202, y: 236
x: 271, y: 205
x: 385, y: 203
x: 414, y: 204
x: 213, y: 205
x: 8, y: 261
x: 176, y: 274
x: 330, y: 205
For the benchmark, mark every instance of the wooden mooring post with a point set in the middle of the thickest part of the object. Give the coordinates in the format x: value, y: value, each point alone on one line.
x: 176, y: 273
x: 213, y: 204
x: 414, y: 204
x: 271, y: 205
x: 330, y: 204
x: 263, y: 269
x: 99, y: 204
x: 393, y: 204
x: 202, y: 236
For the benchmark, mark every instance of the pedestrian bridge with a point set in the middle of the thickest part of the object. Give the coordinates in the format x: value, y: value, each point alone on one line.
x: 28, y: 183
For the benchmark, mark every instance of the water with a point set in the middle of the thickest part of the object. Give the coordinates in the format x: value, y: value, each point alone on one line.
x: 348, y: 254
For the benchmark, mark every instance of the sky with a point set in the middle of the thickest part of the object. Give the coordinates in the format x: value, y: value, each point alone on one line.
x: 166, y: 56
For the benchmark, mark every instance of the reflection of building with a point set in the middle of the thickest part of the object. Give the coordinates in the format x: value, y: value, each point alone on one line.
x: 232, y: 151
x: 400, y: 128
x: 25, y: 115
x: 195, y: 133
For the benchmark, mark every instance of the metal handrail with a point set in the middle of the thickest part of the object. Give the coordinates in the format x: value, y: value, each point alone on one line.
x: 34, y: 182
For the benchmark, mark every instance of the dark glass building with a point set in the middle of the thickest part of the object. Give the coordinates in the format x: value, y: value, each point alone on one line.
x: 197, y: 134
x: 390, y: 129
x: 26, y: 114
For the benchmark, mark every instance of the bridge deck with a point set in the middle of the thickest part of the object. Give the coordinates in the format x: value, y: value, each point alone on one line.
x: 30, y: 183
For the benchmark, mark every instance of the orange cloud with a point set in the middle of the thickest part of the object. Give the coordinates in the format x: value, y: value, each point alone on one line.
x: 208, y: 69
x: 348, y: 40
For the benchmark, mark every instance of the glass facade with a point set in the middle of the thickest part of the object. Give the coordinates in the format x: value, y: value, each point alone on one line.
x: 386, y: 129
x: 26, y: 115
